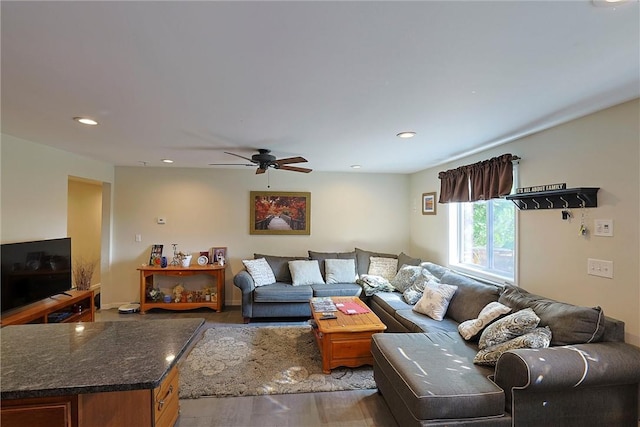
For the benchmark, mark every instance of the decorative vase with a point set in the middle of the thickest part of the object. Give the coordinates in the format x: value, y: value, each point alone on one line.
x: 186, y: 261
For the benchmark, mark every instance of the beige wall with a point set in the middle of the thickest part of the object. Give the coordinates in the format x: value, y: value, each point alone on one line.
x: 34, y: 188
x: 210, y: 207
x: 599, y: 150
x: 84, y: 219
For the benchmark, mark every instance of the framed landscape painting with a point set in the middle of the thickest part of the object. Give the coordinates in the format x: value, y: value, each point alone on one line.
x: 280, y: 212
x: 428, y: 203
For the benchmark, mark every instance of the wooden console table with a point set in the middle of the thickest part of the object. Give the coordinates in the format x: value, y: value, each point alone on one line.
x: 146, y: 283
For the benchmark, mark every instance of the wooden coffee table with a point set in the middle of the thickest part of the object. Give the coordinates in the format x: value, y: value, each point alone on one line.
x: 346, y: 340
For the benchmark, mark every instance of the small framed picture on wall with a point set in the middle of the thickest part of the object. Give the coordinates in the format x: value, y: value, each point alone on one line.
x: 429, y: 203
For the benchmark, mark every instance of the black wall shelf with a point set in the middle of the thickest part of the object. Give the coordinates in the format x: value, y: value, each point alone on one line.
x: 584, y: 197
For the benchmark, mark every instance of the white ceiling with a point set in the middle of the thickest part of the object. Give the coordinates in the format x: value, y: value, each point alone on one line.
x: 333, y: 82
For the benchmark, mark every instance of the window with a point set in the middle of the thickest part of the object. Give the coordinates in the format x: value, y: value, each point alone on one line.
x: 483, y: 238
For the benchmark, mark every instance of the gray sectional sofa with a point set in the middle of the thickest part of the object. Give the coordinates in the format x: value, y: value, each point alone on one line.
x: 281, y: 299
x: 426, y: 373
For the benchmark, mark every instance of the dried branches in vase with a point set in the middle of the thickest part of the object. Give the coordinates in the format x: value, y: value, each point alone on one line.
x: 83, y: 272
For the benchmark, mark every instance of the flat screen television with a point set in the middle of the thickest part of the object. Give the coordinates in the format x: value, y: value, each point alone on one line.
x: 33, y: 271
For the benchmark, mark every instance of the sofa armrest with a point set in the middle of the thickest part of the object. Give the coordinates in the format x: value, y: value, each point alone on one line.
x: 556, y: 368
x: 244, y: 281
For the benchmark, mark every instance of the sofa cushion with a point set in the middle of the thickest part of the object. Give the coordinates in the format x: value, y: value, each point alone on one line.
x: 509, y: 327
x: 404, y: 259
x: 391, y: 301
x: 404, y: 278
x: 339, y: 270
x: 362, y: 259
x: 435, y: 299
x: 322, y: 256
x: 416, y: 322
x: 435, y: 269
x: 383, y: 267
x: 282, y: 292
x: 538, y: 338
x: 260, y: 271
x: 280, y: 265
x: 336, y: 290
x: 435, y: 384
x: 569, y: 324
x: 305, y: 272
x: 471, y: 328
x: 414, y: 292
x: 471, y: 297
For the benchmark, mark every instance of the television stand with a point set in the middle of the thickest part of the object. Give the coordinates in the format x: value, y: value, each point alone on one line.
x: 79, y: 307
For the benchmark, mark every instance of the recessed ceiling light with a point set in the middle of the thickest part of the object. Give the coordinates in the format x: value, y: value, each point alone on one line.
x: 85, y: 121
x: 355, y: 166
x: 406, y: 134
x: 608, y: 3
x: 167, y: 161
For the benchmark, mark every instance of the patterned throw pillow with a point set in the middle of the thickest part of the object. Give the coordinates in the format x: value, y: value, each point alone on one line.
x: 260, y: 271
x: 305, y: 272
x: 383, y: 267
x: 538, y: 338
x: 405, y: 277
x: 435, y: 299
x: 509, y: 327
x: 470, y: 328
x: 340, y: 270
x: 413, y: 293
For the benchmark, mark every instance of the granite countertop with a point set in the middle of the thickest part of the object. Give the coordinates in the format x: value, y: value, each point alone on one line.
x: 74, y: 358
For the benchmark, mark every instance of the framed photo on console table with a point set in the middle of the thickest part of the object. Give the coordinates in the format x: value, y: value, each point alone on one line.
x: 429, y: 203
x: 280, y: 212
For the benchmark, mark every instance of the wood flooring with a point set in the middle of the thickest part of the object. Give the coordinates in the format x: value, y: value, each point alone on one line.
x: 358, y: 408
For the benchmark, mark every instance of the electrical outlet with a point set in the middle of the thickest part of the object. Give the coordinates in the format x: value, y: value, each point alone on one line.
x: 599, y: 267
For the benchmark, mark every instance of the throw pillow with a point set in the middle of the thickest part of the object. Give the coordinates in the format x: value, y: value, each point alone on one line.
x: 322, y: 256
x: 571, y: 324
x: 405, y: 277
x: 279, y: 265
x: 414, y: 292
x: 404, y: 259
x: 509, y: 327
x: 340, y: 270
x: 470, y: 328
x: 373, y: 284
x: 538, y: 338
x: 305, y: 272
x: 260, y: 271
x: 435, y: 299
x: 383, y: 267
x: 363, y: 259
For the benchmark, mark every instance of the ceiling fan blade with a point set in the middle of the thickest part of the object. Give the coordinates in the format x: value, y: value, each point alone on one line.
x: 242, y: 157
x: 294, y: 169
x: 231, y: 164
x: 291, y: 160
x: 260, y: 170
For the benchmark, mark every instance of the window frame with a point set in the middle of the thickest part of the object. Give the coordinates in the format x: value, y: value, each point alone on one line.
x: 455, y: 248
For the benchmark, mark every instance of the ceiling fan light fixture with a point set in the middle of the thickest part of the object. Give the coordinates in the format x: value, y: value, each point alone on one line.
x: 86, y: 121
x: 406, y: 134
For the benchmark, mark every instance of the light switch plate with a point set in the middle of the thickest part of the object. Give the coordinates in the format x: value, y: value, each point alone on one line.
x: 599, y: 267
x: 603, y: 227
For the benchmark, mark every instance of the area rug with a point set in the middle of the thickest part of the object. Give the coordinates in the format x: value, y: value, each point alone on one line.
x: 257, y: 360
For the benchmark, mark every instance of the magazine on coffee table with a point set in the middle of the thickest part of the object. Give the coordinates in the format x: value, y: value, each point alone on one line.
x: 322, y: 304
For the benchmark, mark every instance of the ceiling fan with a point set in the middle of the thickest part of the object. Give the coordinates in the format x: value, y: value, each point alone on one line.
x: 265, y: 160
